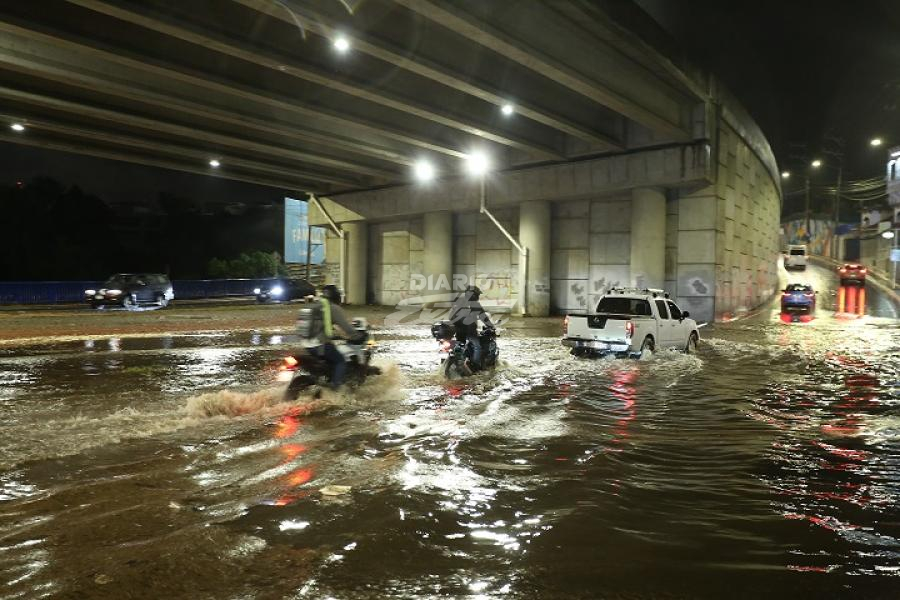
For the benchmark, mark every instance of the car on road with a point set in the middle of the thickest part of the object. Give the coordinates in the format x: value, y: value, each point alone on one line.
x: 798, y: 303
x: 631, y: 322
x: 129, y: 290
x: 795, y: 257
x: 852, y: 274
x: 283, y: 290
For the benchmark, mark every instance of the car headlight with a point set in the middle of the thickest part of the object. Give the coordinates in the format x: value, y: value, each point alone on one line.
x: 90, y: 292
x: 277, y: 291
x: 113, y: 292
x: 256, y: 290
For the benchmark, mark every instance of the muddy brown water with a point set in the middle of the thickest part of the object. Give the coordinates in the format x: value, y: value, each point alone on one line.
x: 767, y: 465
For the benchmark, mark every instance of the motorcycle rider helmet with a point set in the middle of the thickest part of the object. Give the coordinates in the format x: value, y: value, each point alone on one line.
x: 331, y: 293
x: 473, y: 292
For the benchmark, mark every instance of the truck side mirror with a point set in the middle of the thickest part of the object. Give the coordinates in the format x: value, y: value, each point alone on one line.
x: 685, y: 315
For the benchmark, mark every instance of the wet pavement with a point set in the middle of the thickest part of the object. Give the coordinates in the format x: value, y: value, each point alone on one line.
x: 767, y: 465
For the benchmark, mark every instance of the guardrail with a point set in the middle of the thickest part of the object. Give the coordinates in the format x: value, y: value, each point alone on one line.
x: 61, y: 292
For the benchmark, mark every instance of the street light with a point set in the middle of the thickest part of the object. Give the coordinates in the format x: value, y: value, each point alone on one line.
x: 214, y: 164
x: 17, y: 127
x: 785, y: 174
x: 477, y: 163
x: 341, y: 44
x: 507, y: 109
x: 816, y: 163
x: 423, y: 170
x: 875, y: 142
x: 888, y: 235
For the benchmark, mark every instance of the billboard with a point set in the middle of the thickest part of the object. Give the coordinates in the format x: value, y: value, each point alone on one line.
x: 297, y: 233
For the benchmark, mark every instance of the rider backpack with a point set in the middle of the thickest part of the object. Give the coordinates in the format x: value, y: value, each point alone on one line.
x: 310, y: 321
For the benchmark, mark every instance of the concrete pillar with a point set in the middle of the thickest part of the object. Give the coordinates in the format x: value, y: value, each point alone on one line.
x: 648, y: 238
x: 355, y: 261
x: 534, y: 234
x: 437, y: 259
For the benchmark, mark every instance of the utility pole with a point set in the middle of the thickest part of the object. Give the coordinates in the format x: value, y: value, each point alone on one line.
x: 837, y: 215
x: 806, y: 210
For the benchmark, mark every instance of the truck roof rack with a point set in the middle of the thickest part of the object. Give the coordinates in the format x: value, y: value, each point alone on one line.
x: 655, y: 292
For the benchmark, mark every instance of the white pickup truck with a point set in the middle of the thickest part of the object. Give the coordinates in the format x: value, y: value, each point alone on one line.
x: 631, y: 322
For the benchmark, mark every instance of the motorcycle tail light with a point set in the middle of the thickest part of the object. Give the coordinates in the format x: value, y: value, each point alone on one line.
x: 629, y: 329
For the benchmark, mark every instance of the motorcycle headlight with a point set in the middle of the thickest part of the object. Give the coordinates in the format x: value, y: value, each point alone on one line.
x: 113, y: 292
x: 90, y: 292
x: 277, y: 290
x: 256, y: 290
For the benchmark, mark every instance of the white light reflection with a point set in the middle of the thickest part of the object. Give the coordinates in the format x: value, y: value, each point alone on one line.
x: 292, y: 525
x: 115, y: 344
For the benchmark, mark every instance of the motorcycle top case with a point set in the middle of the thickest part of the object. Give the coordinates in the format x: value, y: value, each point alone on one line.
x: 309, y: 320
x: 443, y: 330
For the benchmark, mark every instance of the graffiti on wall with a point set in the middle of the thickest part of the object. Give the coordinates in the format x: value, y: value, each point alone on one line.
x: 817, y: 237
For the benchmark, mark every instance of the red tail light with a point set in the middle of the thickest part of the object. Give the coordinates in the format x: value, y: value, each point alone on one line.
x: 290, y: 363
x: 809, y: 295
x: 863, y: 271
x: 629, y: 329
x: 806, y: 318
x: 843, y: 270
x: 786, y: 318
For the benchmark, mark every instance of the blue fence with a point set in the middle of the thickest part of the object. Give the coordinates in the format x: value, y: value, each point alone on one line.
x: 57, y: 292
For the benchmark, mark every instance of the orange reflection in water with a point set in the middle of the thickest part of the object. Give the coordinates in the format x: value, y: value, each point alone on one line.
x: 623, y: 388
x: 851, y: 301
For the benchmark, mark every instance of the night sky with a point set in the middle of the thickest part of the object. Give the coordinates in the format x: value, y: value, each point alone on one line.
x: 804, y: 70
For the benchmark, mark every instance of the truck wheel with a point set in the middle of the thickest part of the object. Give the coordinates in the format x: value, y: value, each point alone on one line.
x: 647, y: 348
x: 691, y: 347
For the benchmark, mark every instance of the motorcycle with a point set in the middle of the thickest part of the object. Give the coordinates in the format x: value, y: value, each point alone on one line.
x: 305, y: 369
x: 458, y: 360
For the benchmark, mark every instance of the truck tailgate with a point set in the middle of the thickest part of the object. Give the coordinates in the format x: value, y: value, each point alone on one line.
x: 606, y: 328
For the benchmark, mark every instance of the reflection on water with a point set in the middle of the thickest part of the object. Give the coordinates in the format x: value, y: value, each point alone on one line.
x: 767, y: 465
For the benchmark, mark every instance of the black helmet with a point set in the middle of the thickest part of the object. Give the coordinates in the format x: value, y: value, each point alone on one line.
x: 331, y: 293
x: 473, y: 292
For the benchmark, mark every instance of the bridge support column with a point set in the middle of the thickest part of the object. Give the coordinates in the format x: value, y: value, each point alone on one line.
x: 437, y: 260
x: 355, y: 261
x: 648, y: 238
x: 534, y: 234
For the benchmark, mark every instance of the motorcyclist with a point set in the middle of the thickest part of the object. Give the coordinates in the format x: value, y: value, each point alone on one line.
x: 319, y: 335
x: 465, y: 314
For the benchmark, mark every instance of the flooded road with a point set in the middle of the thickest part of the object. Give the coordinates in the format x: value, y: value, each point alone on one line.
x: 167, y: 467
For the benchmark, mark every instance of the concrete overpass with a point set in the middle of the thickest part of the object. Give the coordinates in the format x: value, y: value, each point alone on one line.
x: 617, y: 164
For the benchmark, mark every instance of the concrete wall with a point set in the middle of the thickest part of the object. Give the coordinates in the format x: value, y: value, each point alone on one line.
x: 590, y: 243
x: 395, y: 254
x: 728, y: 234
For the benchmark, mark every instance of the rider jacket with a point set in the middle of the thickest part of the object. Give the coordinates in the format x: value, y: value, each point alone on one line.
x: 465, y: 314
x: 321, y: 330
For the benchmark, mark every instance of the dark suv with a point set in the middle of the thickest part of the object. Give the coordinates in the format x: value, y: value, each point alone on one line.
x: 131, y: 289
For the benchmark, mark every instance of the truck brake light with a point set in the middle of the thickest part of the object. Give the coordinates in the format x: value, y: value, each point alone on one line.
x: 629, y: 329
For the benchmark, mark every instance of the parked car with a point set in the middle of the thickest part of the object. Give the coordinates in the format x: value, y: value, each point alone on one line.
x: 795, y: 258
x: 631, y: 322
x: 132, y: 289
x: 852, y: 274
x: 798, y: 303
x: 284, y: 290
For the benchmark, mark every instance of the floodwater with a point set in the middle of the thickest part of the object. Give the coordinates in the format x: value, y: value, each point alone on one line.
x: 767, y: 465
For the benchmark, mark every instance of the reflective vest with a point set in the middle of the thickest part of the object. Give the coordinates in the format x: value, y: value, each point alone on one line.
x: 326, y: 318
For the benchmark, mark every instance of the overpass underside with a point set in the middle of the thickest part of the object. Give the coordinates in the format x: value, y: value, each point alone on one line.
x: 698, y: 220
x: 612, y: 161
